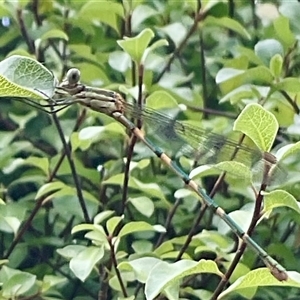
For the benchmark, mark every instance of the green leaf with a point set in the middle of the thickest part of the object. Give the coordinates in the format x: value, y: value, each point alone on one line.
x: 140, y: 14
x: 11, y: 217
x: 106, y: 11
x: 6, y: 138
x: 127, y: 298
x: 212, y: 241
x: 70, y: 251
x: 93, y: 134
x: 22, y: 76
x: 24, y: 119
x: 136, y: 46
x: 204, y: 170
x: 287, y: 151
x: 142, y: 246
x: 243, y: 92
x: 280, y: 198
x: 112, y: 223
x: 291, y: 10
x: 283, y: 31
x: 266, y: 49
x: 160, y: 100
x: 276, y: 65
x: 52, y: 281
x: 49, y: 187
x: 54, y: 34
x: 91, y: 72
x: 250, y: 54
x: 151, y: 189
x: 143, y: 204
x: 98, y: 236
x: 242, y: 217
x: 18, y: 284
x: 141, y: 267
x: 83, y: 227
x: 133, y: 227
x: 258, y: 124
x: 155, y: 45
x: 83, y: 264
x: 230, y: 79
x: 261, y: 277
x: 163, y: 274
x: 120, y: 61
x: 235, y: 169
x: 228, y: 23
x: 103, y: 216
x: 215, y: 8
x: 10, y: 89
x: 176, y: 32
x: 9, y: 224
x: 288, y: 84
x: 39, y: 162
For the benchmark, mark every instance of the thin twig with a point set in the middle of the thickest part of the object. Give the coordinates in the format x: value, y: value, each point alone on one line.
x: 291, y: 101
x: 209, y: 111
x: 73, y: 169
x: 242, y: 248
x: 168, y: 222
x: 115, y: 264
x: 28, y: 40
x: 35, y: 7
x: 79, y: 121
x: 198, y: 17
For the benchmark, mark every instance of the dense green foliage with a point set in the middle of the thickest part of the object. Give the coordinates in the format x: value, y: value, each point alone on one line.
x: 87, y: 211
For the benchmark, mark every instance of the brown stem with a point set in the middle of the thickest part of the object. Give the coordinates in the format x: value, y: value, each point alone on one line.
x: 73, y: 169
x: 28, y: 40
x: 242, y: 248
x: 198, y: 17
x: 115, y: 264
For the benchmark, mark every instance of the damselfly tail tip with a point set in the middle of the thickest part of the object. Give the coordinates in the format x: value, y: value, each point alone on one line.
x: 280, y: 275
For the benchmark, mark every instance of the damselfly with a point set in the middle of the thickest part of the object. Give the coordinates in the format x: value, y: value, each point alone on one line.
x: 188, y: 139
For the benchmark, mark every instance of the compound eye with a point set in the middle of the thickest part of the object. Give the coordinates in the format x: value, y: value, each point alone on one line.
x: 73, y: 76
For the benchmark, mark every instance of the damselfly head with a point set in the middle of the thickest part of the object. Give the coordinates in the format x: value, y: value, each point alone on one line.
x: 72, y: 77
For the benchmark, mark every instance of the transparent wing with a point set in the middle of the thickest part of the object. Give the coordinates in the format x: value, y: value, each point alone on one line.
x: 203, y: 146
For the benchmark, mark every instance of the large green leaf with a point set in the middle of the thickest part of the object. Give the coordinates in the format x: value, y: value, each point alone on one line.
x: 104, y: 11
x: 282, y: 28
x: 164, y: 274
x: 22, y: 76
x: 230, y: 79
x: 261, y: 277
x: 266, y: 49
x: 141, y: 267
x: 54, y: 34
x: 151, y: 189
x: 258, y: 124
x: 112, y: 224
x: 18, y: 284
x: 143, y: 204
x: 136, y: 46
x: 70, y: 251
x: 288, y: 84
x: 141, y: 13
x: 229, y: 24
x: 133, y: 227
x: 287, y: 150
x: 280, y: 198
x: 83, y: 264
x: 276, y: 65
